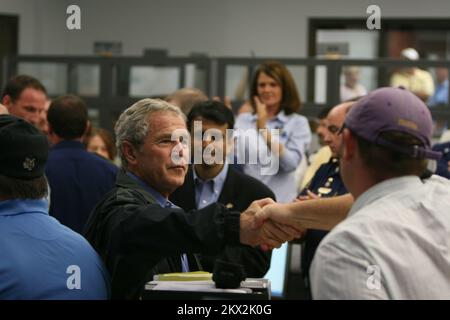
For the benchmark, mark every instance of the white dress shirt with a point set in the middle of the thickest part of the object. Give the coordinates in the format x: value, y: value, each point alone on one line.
x: 394, y: 244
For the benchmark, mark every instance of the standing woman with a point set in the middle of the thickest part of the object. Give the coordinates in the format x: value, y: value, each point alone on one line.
x: 275, y: 103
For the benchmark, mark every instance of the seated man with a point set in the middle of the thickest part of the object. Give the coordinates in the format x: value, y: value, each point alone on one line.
x: 395, y: 242
x: 40, y: 258
x: 326, y: 183
x: 212, y: 179
x: 440, y: 96
x: 135, y: 226
x: 352, y: 88
x: 418, y: 81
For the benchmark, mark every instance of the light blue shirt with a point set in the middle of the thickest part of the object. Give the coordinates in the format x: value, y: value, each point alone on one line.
x: 42, y: 259
x: 440, y: 95
x: 207, y: 192
x: 294, y: 134
x: 164, y: 203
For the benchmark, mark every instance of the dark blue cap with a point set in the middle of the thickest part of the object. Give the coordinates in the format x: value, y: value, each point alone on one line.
x: 23, y: 149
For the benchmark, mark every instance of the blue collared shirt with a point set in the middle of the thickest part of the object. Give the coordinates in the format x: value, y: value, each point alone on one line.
x: 42, y: 259
x: 440, y: 96
x: 294, y: 134
x: 164, y: 203
x: 207, y: 192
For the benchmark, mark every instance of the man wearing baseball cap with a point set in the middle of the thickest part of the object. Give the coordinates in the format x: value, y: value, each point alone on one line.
x: 395, y: 241
x: 418, y: 81
x: 40, y: 258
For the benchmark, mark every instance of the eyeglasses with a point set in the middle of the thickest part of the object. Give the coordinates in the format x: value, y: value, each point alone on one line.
x: 333, y: 129
x: 342, y: 129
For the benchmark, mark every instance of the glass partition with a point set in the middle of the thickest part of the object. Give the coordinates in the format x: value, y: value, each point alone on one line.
x: 86, y: 80
x: 146, y: 81
x: 52, y: 75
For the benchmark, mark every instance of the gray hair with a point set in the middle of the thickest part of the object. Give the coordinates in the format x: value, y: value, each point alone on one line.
x: 133, y: 124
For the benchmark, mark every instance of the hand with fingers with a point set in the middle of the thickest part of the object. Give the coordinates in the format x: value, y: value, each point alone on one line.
x: 277, y: 213
x: 261, y: 112
x: 267, y: 234
x: 309, y: 196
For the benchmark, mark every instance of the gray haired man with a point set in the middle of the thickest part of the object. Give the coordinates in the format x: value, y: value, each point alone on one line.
x: 135, y: 226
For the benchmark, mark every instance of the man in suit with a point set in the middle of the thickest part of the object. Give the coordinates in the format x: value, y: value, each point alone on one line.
x: 211, y: 179
x: 326, y: 182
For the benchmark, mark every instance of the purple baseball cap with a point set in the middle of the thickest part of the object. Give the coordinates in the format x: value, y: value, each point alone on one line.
x: 393, y: 109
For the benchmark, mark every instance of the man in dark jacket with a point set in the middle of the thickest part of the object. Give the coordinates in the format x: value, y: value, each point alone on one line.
x: 211, y: 181
x: 135, y: 226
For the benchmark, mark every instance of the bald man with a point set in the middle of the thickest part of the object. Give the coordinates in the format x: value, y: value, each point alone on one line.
x: 326, y: 183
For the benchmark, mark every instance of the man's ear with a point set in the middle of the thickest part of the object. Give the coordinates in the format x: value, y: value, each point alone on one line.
x: 129, y: 152
x: 349, y: 145
x: 87, y: 131
x: 6, y: 101
x: 88, y: 128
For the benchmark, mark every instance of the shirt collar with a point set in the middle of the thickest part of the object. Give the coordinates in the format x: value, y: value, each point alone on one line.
x: 280, y: 116
x: 162, y: 201
x: 69, y: 144
x: 21, y: 206
x: 383, y: 189
x: 218, y: 180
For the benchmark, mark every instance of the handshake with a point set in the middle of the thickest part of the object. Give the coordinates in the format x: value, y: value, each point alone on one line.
x: 268, y: 225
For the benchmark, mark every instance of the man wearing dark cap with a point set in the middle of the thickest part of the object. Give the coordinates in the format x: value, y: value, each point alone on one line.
x: 395, y: 241
x: 40, y: 258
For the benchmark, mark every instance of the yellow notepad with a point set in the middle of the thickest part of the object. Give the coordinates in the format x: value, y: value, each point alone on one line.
x: 183, y: 276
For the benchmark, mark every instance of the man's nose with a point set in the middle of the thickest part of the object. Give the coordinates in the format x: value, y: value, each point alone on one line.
x: 265, y: 88
x: 327, y: 138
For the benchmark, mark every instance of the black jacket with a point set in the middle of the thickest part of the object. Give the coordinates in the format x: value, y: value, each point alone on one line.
x: 238, y: 192
x: 132, y: 233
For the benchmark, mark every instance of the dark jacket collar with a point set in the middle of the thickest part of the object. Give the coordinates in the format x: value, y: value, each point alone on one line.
x: 123, y: 180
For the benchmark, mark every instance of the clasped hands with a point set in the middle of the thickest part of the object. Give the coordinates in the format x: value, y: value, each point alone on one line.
x: 260, y: 226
